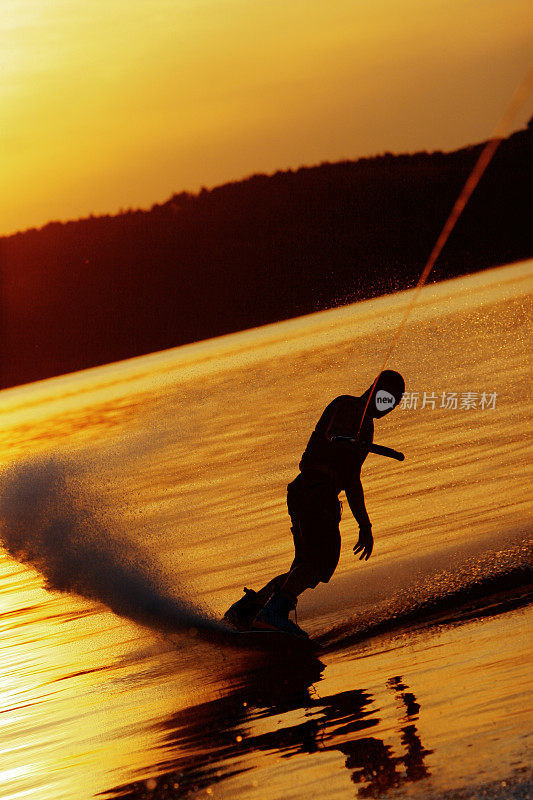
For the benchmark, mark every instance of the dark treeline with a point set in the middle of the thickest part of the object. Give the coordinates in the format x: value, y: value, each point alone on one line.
x: 96, y: 290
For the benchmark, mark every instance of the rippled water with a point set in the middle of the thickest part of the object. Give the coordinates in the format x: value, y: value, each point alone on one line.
x: 156, y: 488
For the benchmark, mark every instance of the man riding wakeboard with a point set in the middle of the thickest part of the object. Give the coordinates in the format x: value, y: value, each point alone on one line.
x: 331, y: 463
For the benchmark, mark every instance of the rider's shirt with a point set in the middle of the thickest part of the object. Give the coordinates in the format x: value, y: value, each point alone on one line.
x: 341, y: 460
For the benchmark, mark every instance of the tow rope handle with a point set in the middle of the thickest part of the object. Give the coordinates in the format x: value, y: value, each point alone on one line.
x: 378, y: 449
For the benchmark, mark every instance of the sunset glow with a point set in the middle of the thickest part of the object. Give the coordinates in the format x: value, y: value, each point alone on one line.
x: 109, y: 106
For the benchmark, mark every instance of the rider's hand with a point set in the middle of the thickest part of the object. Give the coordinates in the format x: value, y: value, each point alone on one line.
x: 365, y: 542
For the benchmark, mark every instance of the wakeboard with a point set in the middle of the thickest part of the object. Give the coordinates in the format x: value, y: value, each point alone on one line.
x: 279, y: 642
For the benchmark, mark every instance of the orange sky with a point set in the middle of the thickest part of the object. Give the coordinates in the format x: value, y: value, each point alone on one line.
x: 119, y: 104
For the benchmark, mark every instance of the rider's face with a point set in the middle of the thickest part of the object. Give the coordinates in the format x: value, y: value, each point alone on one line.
x: 383, y: 403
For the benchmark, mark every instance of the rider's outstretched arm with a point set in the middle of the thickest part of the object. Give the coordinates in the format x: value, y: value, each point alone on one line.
x: 356, y: 501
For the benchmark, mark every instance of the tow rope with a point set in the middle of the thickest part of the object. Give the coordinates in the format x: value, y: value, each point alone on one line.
x: 518, y: 99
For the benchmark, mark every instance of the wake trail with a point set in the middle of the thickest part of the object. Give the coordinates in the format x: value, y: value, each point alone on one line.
x: 47, y: 522
x: 498, y: 582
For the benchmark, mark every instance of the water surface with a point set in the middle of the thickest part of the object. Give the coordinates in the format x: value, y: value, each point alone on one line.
x: 137, y: 499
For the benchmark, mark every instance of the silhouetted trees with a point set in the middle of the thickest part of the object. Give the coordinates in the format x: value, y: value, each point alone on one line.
x: 83, y: 293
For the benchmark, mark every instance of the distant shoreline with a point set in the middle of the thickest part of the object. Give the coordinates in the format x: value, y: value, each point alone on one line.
x: 84, y: 293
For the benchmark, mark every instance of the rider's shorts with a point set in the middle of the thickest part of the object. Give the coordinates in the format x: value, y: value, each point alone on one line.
x: 315, y: 512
